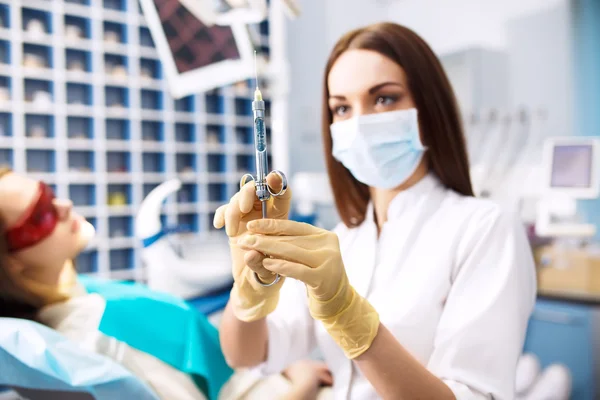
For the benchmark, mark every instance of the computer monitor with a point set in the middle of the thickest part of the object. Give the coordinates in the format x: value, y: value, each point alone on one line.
x: 572, y: 167
x: 197, y: 57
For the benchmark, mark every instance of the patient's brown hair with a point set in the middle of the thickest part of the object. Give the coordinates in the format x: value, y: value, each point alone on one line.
x: 14, y: 302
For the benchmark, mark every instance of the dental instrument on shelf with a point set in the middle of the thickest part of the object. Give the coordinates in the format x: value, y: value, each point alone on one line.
x: 263, y: 191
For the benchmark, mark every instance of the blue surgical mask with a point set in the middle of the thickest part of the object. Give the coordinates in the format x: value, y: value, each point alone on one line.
x: 380, y: 150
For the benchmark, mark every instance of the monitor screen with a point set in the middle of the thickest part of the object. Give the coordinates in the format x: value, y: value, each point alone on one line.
x: 572, y: 166
x: 193, y: 45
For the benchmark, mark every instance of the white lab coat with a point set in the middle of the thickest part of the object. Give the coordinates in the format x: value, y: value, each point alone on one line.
x: 452, y: 278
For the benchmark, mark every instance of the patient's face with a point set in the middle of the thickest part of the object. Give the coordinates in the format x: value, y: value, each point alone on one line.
x: 42, y: 259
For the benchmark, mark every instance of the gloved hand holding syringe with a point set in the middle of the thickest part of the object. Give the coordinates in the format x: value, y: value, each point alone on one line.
x: 255, y: 292
x: 263, y: 190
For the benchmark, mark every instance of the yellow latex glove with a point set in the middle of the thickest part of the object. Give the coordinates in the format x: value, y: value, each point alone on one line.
x: 250, y: 301
x: 312, y: 255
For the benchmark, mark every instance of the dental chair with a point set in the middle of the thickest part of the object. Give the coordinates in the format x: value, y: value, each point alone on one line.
x: 38, y: 363
x: 198, y: 269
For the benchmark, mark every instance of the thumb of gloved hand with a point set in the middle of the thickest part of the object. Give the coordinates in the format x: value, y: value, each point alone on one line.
x: 250, y: 299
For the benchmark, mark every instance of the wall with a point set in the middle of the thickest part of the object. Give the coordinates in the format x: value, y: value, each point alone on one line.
x: 540, y: 58
x: 586, y: 23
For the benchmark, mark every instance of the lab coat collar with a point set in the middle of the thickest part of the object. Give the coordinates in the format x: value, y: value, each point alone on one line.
x: 399, y: 203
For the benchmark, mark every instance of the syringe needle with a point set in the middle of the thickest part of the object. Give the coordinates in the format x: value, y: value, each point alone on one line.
x: 255, y: 71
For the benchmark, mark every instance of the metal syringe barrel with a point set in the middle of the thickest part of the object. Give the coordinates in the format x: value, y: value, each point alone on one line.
x: 260, y: 149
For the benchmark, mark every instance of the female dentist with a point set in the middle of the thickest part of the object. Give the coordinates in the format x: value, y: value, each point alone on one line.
x: 423, y: 292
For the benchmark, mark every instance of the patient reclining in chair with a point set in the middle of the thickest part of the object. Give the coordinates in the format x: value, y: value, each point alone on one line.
x: 161, y: 340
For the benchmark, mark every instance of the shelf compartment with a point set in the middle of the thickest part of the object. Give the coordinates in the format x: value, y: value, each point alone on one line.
x: 216, y: 163
x: 114, y: 33
x: 151, y: 99
x: 118, y: 161
x: 39, y: 126
x: 82, y: 195
x: 87, y: 262
x: 153, y: 162
x: 215, y: 104
x: 4, y: 52
x: 215, y: 134
x: 6, y: 157
x: 185, y: 163
x: 244, y: 135
x: 188, y: 221
x: 80, y: 161
x: 185, y: 104
x: 79, y: 94
x: 150, y: 69
x: 37, y: 56
x: 115, y: 66
x: 76, y: 28
x: 121, y: 259
x: 36, y: 22
x: 39, y: 93
x: 145, y: 37
x: 4, y: 16
x: 78, y: 60
x: 117, y: 97
x: 209, y: 222
x: 5, y: 90
x: 152, y: 131
x: 148, y: 187
x: 80, y: 128
x: 117, y: 129
x: 184, y: 133
x: 244, y: 106
x: 188, y: 193
x: 217, y: 192
x: 40, y: 161
x: 6, y: 125
x: 120, y: 227
x: 119, y: 195
x: 245, y: 164
x: 116, y: 5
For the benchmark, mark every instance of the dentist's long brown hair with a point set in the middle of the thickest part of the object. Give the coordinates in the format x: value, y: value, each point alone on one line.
x: 439, y: 117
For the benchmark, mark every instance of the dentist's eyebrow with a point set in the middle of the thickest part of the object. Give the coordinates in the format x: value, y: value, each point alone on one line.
x: 371, y: 91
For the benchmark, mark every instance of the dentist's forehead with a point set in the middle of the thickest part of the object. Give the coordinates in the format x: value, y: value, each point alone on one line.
x: 357, y: 71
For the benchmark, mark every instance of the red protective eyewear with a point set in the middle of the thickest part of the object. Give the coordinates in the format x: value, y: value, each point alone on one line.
x: 37, y: 223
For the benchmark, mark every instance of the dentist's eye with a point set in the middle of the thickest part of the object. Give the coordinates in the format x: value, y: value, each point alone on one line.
x: 340, y: 110
x: 386, y: 100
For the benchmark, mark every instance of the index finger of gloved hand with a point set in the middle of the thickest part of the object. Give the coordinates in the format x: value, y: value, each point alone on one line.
x: 254, y: 261
x: 247, y: 197
x: 233, y: 216
x: 281, y: 227
x: 290, y: 269
x: 219, y: 219
x: 293, y: 248
x: 275, y: 182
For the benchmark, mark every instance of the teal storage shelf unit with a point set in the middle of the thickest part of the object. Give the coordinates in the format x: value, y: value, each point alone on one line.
x: 85, y: 107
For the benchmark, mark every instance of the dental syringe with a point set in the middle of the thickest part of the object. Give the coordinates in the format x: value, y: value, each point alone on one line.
x: 263, y: 191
